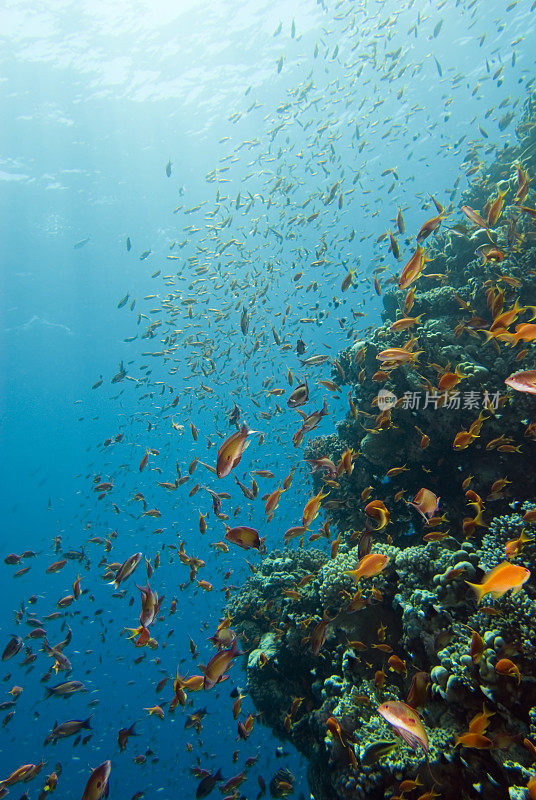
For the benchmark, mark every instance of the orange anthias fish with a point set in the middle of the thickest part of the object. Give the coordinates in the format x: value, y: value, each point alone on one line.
x: 406, y: 723
x: 272, y: 502
x: 97, y: 785
x: 338, y: 732
x: 156, y: 711
x: 430, y: 226
x: 318, y: 636
x: 501, y: 579
x: 224, y: 635
x: 426, y: 503
x: 413, y: 268
x: 523, y: 183
x: 244, y: 537
x: 418, y: 690
x: 398, y: 355
x: 378, y: 511
x: 219, y: 664
x: 474, y: 740
x: 480, y: 721
x: 475, y: 217
x: 405, y: 322
x: 514, y: 546
x: 477, y: 647
x: 369, y: 566
x: 506, y: 667
x: 312, y: 508
x: 523, y: 381
x: 525, y: 332
x: 151, y: 604
x: 450, y: 379
x: 310, y: 421
x: 496, y: 208
x: 231, y: 450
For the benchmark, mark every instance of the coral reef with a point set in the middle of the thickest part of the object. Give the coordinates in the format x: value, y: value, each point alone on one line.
x: 425, y: 618
x: 462, y: 298
x: 326, y: 648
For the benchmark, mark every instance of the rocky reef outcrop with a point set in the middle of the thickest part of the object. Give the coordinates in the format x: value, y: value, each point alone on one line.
x: 328, y: 645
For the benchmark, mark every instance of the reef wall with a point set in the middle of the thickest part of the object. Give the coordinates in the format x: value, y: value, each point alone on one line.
x: 326, y: 648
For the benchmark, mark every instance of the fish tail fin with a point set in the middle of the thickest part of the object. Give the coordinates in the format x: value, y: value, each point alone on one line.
x: 478, y: 590
x: 235, y: 650
x: 247, y: 431
x: 488, y: 334
x: 511, y: 339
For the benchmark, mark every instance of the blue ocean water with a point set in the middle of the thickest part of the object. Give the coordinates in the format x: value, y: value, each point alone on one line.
x: 97, y: 98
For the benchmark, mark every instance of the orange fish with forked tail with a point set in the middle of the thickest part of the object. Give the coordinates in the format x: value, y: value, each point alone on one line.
x: 218, y: 665
x: 231, y: 450
x: 413, y: 268
x: 501, y: 579
x: 312, y: 507
x: 369, y: 566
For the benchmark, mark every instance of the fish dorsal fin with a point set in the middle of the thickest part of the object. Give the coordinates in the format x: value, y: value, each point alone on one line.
x: 493, y: 572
